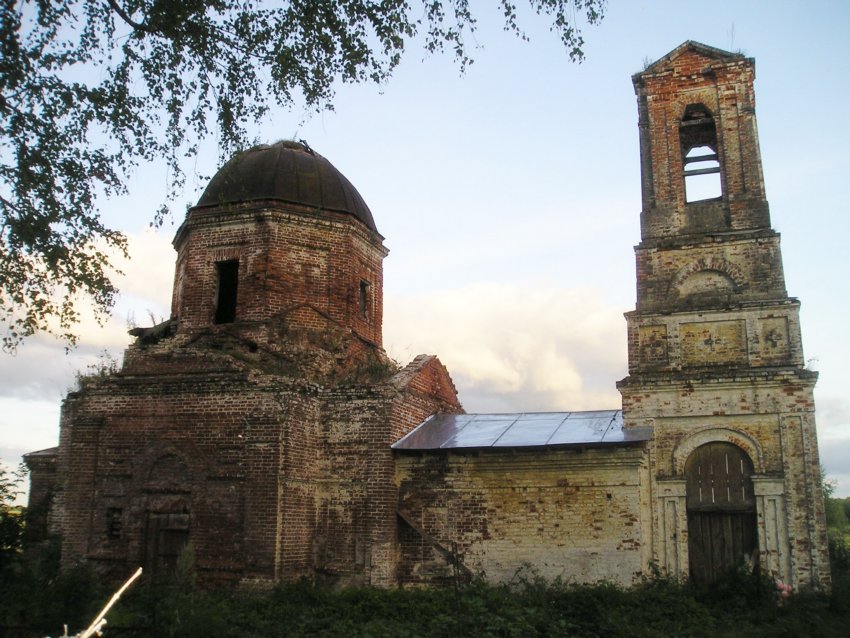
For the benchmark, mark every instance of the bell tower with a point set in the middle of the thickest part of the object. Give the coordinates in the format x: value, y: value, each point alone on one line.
x: 716, y: 364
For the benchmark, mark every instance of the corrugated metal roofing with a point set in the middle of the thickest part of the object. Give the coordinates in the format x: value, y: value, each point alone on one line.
x: 527, y: 429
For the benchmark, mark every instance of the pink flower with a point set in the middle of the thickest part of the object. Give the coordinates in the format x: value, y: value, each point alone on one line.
x: 782, y: 589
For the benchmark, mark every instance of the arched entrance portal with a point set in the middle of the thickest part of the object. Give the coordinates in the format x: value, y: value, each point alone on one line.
x: 722, y: 532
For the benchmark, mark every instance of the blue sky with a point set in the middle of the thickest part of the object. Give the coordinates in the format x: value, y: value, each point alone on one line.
x: 510, y: 198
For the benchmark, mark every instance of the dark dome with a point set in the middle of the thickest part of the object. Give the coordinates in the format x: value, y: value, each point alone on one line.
x: 289, y: 172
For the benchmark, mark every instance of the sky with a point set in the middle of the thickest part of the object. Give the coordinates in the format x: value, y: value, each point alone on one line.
x: 509, y: 198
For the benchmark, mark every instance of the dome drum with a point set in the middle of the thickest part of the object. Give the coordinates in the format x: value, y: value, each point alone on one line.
x: 280, y: 235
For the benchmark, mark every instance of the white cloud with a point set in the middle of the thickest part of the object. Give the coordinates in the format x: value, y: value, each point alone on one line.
x: 148, y: 275
x: 833, y: 418
x: 41, y: 372
x: 835, y: 458
x: 514, y: 347
x: 27, y: 425
x: 528, y: 346
x: 833, y: 415
x: 42, y: 369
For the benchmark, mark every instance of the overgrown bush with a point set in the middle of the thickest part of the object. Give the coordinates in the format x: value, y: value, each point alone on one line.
x: 839, y: 552
x: 740, y: 605
x: 11, y: 521
x: 42, y: 598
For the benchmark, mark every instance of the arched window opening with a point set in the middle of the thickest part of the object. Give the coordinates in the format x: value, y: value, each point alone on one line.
x: 698, y: 140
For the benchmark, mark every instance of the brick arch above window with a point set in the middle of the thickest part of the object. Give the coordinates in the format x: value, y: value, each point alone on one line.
x: 718, y: 265
x: 168, y: 467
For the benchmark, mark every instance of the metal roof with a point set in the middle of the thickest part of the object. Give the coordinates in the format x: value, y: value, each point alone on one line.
x: 50, y: 451
x: 526, y: 429
x: 286, y: 171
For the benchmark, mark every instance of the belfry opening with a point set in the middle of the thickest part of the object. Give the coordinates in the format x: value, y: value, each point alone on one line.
x: 698, y: 140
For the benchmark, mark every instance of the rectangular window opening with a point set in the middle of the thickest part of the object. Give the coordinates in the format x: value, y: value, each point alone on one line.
x: 364, y: 299
x: 227, y: 274
x: 702, y: 175
x: 113, y: 522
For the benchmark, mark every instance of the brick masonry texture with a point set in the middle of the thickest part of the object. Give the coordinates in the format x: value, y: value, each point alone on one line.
x: 256, y: 424
x: 715, y: 353
x: 280, y: 478
x: 571, y: 514
x: 300, y: 265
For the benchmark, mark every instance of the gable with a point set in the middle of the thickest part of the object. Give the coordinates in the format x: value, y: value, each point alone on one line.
x: 690, y: 54
x: 426, y: 375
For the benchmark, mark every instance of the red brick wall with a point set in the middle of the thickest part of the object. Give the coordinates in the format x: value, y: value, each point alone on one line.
x: 289, y: 257
x: 280, y: 478
x: 725, y: 87
x: 219, y: 439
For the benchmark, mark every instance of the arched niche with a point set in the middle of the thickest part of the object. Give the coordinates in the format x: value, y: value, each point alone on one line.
x: 713, y: 275
x: 707, y: 282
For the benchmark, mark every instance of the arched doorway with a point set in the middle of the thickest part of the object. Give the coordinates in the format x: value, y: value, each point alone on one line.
x: 722, y: 533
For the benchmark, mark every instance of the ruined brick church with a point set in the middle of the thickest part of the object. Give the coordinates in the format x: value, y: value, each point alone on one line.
x: 264, y: 426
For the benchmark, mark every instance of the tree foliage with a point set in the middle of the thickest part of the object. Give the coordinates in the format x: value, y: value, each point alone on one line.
x: 11, y: 518
x: 837, y: 509
x: 91, y: 88
x: 837, y: 514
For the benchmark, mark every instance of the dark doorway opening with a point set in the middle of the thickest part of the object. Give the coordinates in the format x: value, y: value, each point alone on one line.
x: 227, y: 281
x: 166, y: 536
x: 722, y: 532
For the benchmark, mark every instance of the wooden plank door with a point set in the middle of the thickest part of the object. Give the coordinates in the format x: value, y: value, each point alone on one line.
x: 167, y: 534
x: 722, y: 533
